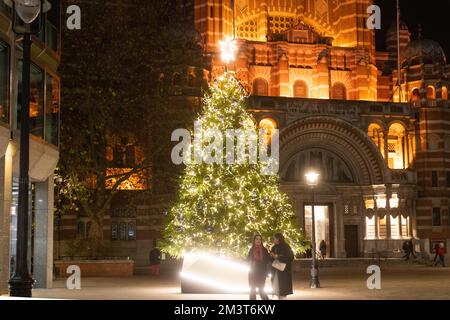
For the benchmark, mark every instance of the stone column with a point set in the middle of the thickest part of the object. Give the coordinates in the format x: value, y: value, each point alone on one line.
x: 5, y: 220
x: 43, y: 237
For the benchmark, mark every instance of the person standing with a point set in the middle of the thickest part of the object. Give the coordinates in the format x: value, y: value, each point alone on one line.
x: 323, y: 249
x: 436, y: 249
x: 259, y: 259
x: 441, y: 255
x: 282, y: 256
x: 155, y: 259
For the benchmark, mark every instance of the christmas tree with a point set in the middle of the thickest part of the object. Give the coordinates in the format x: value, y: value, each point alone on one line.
x: 220, y: 207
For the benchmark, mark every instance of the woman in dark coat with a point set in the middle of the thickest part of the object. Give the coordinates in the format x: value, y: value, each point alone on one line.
x: 259, y: 259
x: 282, y: 280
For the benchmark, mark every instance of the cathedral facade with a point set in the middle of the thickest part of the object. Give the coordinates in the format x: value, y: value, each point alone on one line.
x: 315, y: 74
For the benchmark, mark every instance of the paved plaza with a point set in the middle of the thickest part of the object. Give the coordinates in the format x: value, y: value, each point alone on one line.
x: 398, y: 283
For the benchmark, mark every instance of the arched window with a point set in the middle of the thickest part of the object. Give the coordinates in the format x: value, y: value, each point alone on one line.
x: 375, y: 132
x: 270, y: 125
x: 444, y: 93
x: 396, y: 147
x: 431, y: 93
x: 415, y: 95
x: 301, y: 89
x: 177, y: 80
x: 260, y: 87
x: 339, y: 91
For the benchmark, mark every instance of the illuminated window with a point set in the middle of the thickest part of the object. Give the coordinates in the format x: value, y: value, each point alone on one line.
x: 260, y: 87
x: 131, y: 231
x: 395, y: 228
x: 444, y: 93
x: 431, y: 93
x: 396, y: 147
x: 405, y: 226
x: 382, y: 228
x: 301, y: 89
x: 270, y: 126
x: 339, y: 92
x: 415, y: 95
x: 370, y: 228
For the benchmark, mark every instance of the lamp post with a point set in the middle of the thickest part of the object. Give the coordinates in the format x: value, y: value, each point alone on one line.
x: 312, y: 181
x: 28, y: 11
x: 228, y: 49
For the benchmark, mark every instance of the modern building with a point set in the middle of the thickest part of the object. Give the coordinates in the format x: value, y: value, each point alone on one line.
x: 314, y: 73
x: 44, y: 141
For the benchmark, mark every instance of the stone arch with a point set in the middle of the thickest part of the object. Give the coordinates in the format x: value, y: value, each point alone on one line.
x: 300, y: 89
x: 339, y: 137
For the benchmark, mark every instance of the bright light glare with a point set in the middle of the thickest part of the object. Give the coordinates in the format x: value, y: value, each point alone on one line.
x: 220, y: 273
x: 312, y: 178
x: 228, y: 48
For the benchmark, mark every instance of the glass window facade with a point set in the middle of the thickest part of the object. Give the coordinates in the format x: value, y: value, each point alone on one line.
x: 44, y: 104
x: 4, y: 82
x: 52, y: 110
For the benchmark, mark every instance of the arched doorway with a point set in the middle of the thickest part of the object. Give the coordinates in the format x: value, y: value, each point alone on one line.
x: 348, y: 162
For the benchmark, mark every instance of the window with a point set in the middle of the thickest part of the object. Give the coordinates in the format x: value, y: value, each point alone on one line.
x: 260, y: 87
x: 270, y: 126
x: 123, y: 231
x: 405, y: 226
x: 382, y: 228
x: 434, y: 179
x: 346, y: 209
x: 339, y: 92
x: 52, y: 26
x: 370, y: 228
x: 114, y: 231
x: 396, y: 146
x: 4, y: 82
x: 436, y: 217
x: 431, y: 93
x: 448, y: 179
x: 395, y: 228
x: 131, y: 231
x: 52, y: 111
x: 415, y: 95
x: 301, y: 89
x: 444, y: 93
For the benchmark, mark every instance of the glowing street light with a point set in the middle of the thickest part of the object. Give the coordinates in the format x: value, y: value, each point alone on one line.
x: 228, y: 49
x: 312, y: 179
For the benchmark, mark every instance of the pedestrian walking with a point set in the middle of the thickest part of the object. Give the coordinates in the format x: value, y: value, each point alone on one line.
x: 155, y: 260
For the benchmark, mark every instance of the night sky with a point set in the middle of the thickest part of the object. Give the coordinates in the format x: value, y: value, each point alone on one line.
x: 433, y: 15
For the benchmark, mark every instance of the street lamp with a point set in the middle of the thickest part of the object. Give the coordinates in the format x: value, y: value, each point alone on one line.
x: 312, y: 181
x: 28, y: 11
x: 228, y: 49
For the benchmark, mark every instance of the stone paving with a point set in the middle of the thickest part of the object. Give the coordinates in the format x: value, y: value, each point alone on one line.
x: 398, y: 283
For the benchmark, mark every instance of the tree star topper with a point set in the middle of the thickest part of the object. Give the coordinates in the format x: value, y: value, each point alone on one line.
x: 228, y: 48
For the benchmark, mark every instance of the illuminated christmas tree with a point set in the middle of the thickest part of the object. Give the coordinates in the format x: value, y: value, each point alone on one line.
x: 221, y: 206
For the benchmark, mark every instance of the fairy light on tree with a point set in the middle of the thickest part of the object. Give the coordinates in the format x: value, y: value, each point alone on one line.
x: 220, y: 207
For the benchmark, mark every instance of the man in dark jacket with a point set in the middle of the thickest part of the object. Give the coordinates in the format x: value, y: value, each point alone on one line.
x: 155, y: 260
x: 408, y: 248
